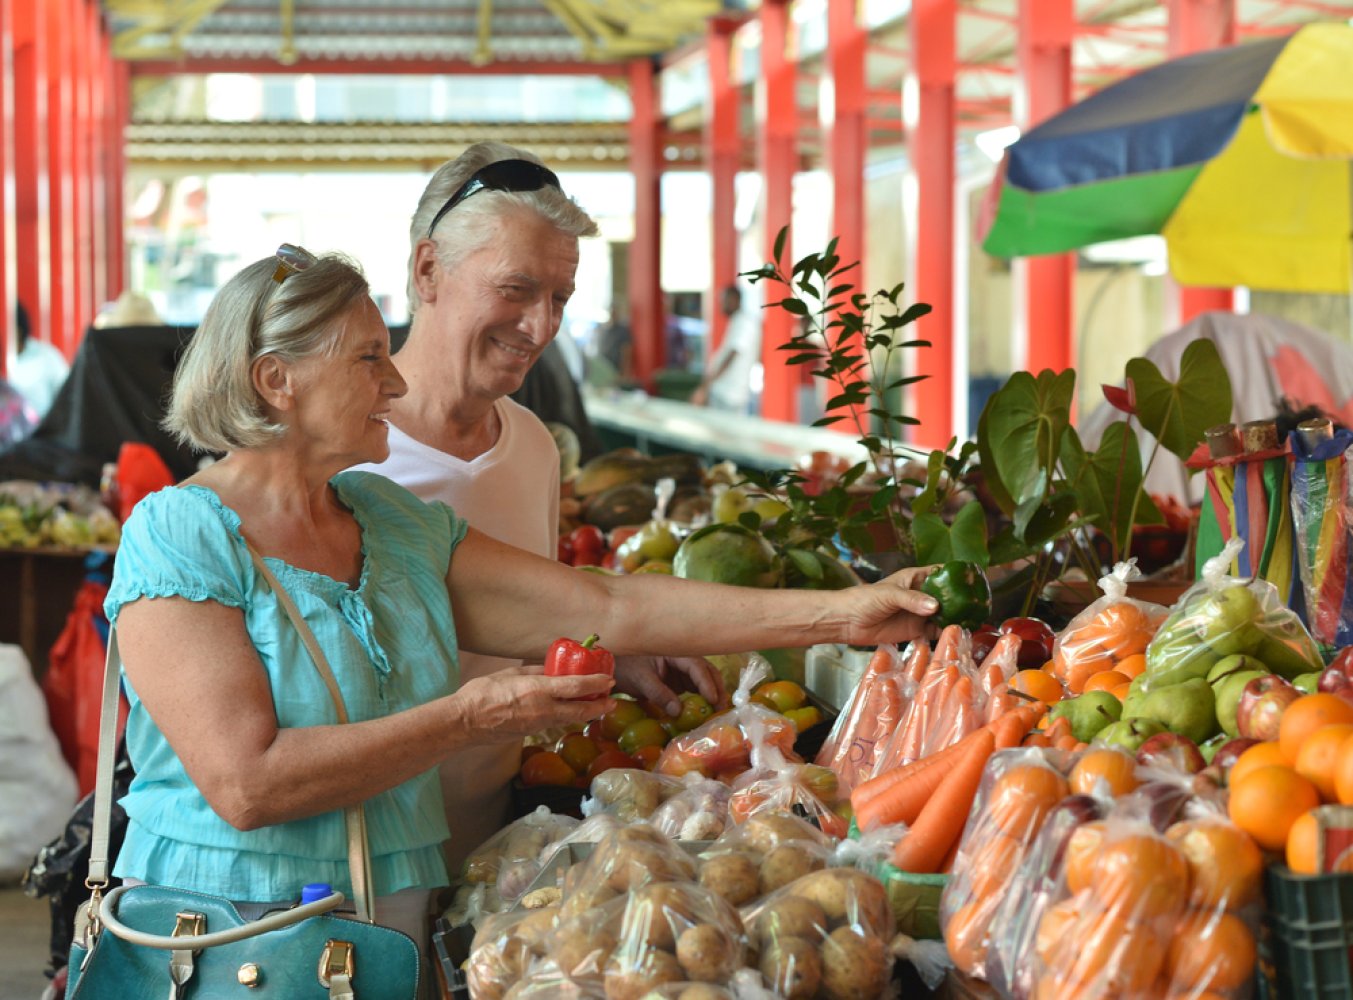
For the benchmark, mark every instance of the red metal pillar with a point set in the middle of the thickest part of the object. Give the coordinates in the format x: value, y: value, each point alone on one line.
x: 115, y: 165
x: 722, y: 148
x: 930, y: 111
x: 843, y: 110
x: 60, y: 176
x: 1044, y: 286
x: 1194, y: 26
x: 81, y: 125
x: 647, y: 313
x: 776, y: 153
x: 8, y: 235
x: 30, y: 150
x: 98, y: 176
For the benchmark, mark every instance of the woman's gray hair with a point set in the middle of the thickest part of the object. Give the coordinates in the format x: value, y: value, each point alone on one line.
x: 214, y: 405
x: 469, y: 226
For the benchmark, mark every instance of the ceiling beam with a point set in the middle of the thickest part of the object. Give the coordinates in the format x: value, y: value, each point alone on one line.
x: 390, y: 67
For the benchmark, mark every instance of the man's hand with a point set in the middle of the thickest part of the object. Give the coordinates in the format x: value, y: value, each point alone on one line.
x: 657, y: 679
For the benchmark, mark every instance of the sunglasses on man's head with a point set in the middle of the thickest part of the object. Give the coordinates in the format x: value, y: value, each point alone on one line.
x: 504, y: 175
x: 292, y: 259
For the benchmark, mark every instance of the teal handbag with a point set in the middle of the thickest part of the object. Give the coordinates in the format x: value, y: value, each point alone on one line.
x: 156, y: 942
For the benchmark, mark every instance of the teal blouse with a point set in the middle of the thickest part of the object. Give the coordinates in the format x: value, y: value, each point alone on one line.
x: 391, y: 644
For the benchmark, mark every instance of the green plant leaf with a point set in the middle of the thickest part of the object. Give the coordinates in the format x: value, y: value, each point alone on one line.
x: 805, y: 562
x: 925, y: 500
x: 1107, y: 482
x: 965, y: 538
x: 780, y: 238
x: 1019, y: 435
x: 1177, y: 413
x: 1046, y: 520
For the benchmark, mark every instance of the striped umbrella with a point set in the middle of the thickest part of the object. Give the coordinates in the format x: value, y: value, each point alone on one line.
x: 1321, y: 514
x: 1238, y: 156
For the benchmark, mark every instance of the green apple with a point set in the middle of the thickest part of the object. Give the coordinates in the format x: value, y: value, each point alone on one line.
x: 1188, y: 708
x: 1089, y: 713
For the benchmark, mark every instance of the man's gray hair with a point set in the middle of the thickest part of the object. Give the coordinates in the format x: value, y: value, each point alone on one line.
x: 469, y: 226
x: 214, y: 406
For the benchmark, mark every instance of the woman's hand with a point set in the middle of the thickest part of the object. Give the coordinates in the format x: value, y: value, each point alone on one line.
x: 657, y: 679
x: 892, y: 610
x: 508, y: 705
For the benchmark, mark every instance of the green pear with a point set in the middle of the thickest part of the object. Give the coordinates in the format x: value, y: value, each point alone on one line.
x: 1179, y: 660
x: 1188, y: 708
x: 1227, y: 620
x: 1237, y: 663
x: 1136, y: 691
x: 1228, y: 691
x: 1089, y: 713
x: 1289, y: 654
x: 1129, y: 734
x: 1307, y: 683
x: 1210, y: 748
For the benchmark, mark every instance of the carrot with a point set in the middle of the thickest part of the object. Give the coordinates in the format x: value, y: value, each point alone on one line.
x: 946, y: 646
x: 1066, y: 742
x: 1010, y: 728
x: 1036, y: 740
x: 954, y: 718
x: 836, y: 749
x: 947, y: 865
x: 915, y: 660
x: 897, y: 796
x: 940, y: 822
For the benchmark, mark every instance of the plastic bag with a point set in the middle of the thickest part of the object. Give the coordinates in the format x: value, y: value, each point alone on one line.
x: 621, y: 862
x: 762, y: 855
x: 1221, y: 616
x: 1112, y: 633
x: 505, y: 947
x: 825, y: 934
x: 630, y: 794
x: 873, y: 711
x: 512, y: 857
x: 773, y: 784
x: 721, y: 748
x: 699, y: 811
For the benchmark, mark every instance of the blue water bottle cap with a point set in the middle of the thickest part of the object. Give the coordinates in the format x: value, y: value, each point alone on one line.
x: 316, y: 891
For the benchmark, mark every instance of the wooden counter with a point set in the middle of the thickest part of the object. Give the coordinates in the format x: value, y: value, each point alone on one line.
x: 37, y: 587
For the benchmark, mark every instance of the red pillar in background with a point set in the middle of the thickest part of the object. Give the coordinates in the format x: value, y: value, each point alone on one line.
x: 8, y: 236
x: 843, y: 109
x: 647, y: 315
x: 81, y: 126
x: 776, y: 153
x: 115, y: 167
x: 33, y: 225
x: 60, y: 176
x: 1044, y: 286
x: 98, y: 176
x: 722, y: 147
x: 1195, y: 26
x: 930, y: 111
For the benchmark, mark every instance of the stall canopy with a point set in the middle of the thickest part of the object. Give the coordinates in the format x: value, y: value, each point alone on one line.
x: 1238, y: 156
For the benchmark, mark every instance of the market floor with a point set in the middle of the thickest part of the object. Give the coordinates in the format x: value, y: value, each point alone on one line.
x: 23, y: 944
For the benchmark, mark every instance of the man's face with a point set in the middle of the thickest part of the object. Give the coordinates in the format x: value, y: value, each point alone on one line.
x: 501, y: 305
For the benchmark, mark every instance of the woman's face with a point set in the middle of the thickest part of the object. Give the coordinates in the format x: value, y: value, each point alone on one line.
x: 343, y: 399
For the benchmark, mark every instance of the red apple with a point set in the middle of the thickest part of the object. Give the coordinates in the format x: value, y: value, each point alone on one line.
x: 1171, y: 750
x: 1164, y: 801
x: 983, y: 638
x: 1337, y: 678
x: 1035, y: 640
x: 1261, y: 707
x: 1228, y: 752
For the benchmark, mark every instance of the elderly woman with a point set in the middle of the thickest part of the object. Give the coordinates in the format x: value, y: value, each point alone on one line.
x: 241, y: 768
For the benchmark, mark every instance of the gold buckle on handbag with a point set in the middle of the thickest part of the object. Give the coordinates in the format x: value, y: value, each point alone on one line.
x: 336, y: 960
x: 189, y: 924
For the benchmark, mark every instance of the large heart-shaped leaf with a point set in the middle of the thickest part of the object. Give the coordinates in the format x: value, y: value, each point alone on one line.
x: 1020, y: 434
x: 965, y: 538
x: 1177, y: 413
x: 1108, y: 480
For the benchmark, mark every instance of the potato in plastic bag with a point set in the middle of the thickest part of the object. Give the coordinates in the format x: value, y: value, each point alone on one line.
x: 767, y: 852
x: 511, y: 858
x: 825, y: 935
x: 630, y: 793
x: 1222, y: 616
x: 505, y: 946
x: 1112, y: 633
x: 721, y: 747
x: 624, y: 860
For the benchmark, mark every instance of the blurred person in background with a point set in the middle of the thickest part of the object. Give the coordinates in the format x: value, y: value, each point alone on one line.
x: 128, y: 309
x: 39, y: 369
x: 727, y: 384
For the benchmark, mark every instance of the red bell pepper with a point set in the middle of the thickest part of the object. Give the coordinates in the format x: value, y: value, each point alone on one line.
x: 567, y: 658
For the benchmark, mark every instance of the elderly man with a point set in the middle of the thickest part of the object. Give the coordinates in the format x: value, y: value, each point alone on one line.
x: 493, y: 253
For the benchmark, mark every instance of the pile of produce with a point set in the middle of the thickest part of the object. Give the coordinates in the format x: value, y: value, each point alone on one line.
x: 34, y: 515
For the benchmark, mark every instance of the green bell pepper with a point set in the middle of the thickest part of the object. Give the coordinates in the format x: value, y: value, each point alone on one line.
x: 963, y: 593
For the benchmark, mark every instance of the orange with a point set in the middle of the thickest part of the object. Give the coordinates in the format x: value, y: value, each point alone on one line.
x: 1022, y: 796
x: 1225, y: 868
x: 1319, y: 756
x: 1210, y: 951
x: 1302, y: 845
x: 1037, y: 684
x: 993, y: 863
x: 1260, y: 755
x: 965, y: 935
x: 1082, y: 850
x: 1106, y: 680
x: 1343, y: 773
x: 1053, y: 926
x: 1111, y: 769
x: 1307, y: 714
x: 1081, y: 662
x: 1108, y: 950
x: 1267, y: 801
x: 1132, y: 665
x: 1121, y: 691
x: 1140, y: 877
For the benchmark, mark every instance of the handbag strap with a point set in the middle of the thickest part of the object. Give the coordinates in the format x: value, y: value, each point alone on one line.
x: 359, y: 854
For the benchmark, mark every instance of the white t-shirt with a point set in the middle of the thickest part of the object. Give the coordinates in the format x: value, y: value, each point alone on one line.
x: 38, y: 372
x: 732, y: 390
x: 511, y: 493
